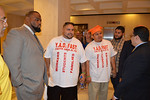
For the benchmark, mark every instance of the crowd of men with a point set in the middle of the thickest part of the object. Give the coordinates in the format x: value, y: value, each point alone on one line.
x: 127, y: 63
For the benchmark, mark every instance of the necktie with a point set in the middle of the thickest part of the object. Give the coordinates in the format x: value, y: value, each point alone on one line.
x: 133, y: 49
x: 36, y: 38
x: 39, y: 43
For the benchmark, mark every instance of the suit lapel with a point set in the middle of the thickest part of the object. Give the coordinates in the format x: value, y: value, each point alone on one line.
x: 34, y: 39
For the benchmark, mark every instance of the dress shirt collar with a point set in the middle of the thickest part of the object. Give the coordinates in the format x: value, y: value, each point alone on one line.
x: 140, y: 44
x: 29, y: 28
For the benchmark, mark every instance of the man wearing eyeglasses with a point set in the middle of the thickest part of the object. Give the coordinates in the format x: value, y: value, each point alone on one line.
x: 5, y: 84
x: 135, y: 84
x: 3, y: 22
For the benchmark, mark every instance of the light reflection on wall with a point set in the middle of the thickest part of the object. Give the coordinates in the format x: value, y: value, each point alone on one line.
x: 131, y: 15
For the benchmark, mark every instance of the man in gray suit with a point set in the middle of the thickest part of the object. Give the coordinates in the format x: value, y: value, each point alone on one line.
x: 23, y: 54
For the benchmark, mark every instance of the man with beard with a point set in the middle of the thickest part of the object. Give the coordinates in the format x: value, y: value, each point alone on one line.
x: 63, y: 55
x: 23, y: 54
x: 117, y: 43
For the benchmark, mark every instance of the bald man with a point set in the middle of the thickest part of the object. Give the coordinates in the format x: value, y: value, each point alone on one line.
x: 5, y: 84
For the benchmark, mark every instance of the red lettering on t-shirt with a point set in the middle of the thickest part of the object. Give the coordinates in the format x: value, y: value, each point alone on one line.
x: 100, y: 48
x: 75, y: 47
x: 105, y: 48
x: 102, y: 60
x: 71, y: 46
x: 57, y: 61
x: 59, y: 45
x: 97, y: 60
x: 64, y: 62
x: 94, y: 48
x: 72, y: 62
x: 97, y: 49
x: 68, y: 45
x: 106, y: 59
x: 64, y: 45
x: 56, y: 44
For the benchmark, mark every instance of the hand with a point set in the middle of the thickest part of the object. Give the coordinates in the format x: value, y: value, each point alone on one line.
x: 114, y: 73
x: 88, y: 79
x: 120, y: 79
x: 82, y: 80
x: 113, y: 98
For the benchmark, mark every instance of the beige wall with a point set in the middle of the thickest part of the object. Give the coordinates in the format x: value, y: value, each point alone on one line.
x: 54, y: 13
x: 13, y: 21
x: 127, y: 20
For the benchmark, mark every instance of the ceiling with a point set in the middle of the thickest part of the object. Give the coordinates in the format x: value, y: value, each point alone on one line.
x: 84, y: 7
x: 18, y: 7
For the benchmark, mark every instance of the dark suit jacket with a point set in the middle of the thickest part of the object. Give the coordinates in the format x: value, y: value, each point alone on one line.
x: 135, y: 84
x: 126, y: 51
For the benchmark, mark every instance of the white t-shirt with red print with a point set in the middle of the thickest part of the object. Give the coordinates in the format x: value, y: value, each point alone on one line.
x: 99, y: 54
x: 65, y: 55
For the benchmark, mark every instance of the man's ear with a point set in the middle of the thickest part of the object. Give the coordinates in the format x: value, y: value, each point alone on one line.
x: 27, y: 19
x: 123, y: 34
x: 137, y: 37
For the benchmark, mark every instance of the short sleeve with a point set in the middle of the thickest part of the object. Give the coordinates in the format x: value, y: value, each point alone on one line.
x: 112, y: 51
x: 88, y: 52
x: 82, y: 54
x: 49, y: 49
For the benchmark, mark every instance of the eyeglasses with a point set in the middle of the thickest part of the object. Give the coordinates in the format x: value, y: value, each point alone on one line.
x: 4, y: 20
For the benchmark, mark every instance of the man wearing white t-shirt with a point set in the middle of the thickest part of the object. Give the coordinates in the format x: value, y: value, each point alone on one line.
x: 63, y: 55
x: 101, y: 56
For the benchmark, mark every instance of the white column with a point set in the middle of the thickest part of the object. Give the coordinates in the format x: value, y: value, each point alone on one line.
x: 54, y: 14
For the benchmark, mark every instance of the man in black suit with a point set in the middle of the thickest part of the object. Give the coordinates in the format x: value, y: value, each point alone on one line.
x: 125, y: 52
x: 135, y: 84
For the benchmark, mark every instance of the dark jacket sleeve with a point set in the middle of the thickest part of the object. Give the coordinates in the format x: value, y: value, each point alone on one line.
x: 126, y: 51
